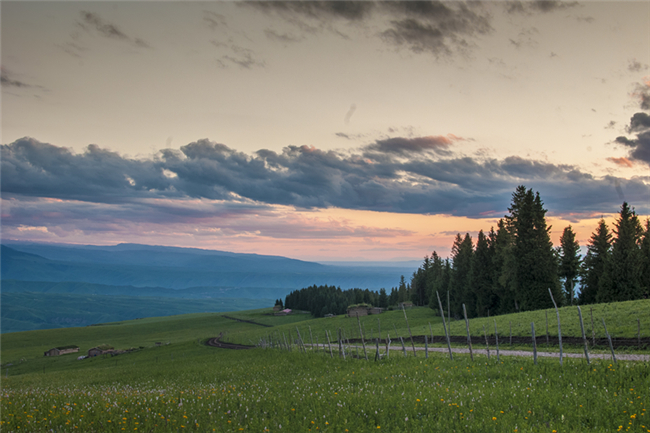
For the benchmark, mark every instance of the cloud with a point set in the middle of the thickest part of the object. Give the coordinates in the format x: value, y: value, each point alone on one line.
x: 282, y: 37
x: 635, y: 66
x: 90, y: 21
x: 401, y: 146
x: 402, y: 175
x: 237, y: 55
x: 434, y: 27
x: 8, y: 80
x: 537, y: 6
x: 639, y: 125
x: 623, y: 162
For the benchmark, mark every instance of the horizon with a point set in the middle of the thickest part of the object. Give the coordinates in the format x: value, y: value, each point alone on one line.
x: 358, y: 131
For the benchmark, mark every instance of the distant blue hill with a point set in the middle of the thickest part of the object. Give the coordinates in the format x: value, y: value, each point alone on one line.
x: 182, y: 268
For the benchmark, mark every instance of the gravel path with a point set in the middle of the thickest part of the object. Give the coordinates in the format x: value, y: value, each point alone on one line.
x: 393, y: 348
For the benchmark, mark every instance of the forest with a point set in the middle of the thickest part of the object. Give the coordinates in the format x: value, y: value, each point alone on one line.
x: 512, y: 268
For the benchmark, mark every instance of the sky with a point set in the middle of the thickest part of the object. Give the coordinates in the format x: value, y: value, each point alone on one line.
x: 319, y: 130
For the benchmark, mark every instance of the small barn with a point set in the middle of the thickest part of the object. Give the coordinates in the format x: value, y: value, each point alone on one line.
x: 406, y: 305
x: 375, y: 310
x: 57, y: 351
x: 358, y: 310
x: 104, y: 349
x: 277, y: 307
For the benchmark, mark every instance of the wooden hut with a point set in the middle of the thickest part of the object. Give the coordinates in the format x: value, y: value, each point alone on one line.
x: 57, y: 351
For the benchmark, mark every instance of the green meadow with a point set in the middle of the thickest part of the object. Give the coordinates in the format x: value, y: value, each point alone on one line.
x: 185, y: 385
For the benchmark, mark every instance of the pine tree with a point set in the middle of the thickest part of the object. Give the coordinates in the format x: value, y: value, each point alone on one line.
x: 503, y: 268
x: 459, y: 285
x: 622, y: 277
x: 569, y: 262
x: 382, y: 301
x: 645, y: 260
x: 593, y: 266
x: 481, y: 278
x: 534, y: 266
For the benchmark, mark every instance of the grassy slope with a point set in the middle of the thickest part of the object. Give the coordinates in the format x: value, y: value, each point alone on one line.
x: 621, y: 319
x: 191, y: 385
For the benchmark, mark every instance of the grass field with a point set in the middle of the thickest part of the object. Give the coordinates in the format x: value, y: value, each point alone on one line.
x: 185, y: 385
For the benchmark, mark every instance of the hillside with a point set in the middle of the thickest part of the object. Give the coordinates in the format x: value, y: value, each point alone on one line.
x: 181, y: 268
x: 183, y: 384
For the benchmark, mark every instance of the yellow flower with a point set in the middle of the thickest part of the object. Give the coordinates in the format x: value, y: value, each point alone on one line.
x: 494, y: 418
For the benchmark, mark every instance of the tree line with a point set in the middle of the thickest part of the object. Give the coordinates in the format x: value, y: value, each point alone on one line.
x: 513, y: 268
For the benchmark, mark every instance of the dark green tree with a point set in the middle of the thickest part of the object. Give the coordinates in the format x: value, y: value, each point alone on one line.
x: 503, y: 268
x: 382, y: 300
x: 533, y: 259
x: 621, y: 280
x: 481, y: 278
x: 460, y: 278
x: 593, y: 265
x: 645, y: 261
x: 569, y: 266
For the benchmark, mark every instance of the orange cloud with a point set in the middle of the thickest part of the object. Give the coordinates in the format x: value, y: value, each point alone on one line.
x: 624, y: 162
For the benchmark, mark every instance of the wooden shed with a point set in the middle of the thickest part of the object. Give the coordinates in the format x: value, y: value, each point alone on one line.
x: 57, y: 351
x: 104, y: 349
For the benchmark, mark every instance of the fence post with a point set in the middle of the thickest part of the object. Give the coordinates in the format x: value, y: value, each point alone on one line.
x: 341, y: 347
x: 547, y: 339
x: 487, y: 345
x: 611, y: 346
x: 403, y: 347
x: 329, y: 343
x: 311, y: 339
x: 496, y: 336
x: 638, y: 332
x: 442, y: 316
x: 409, y: 328
x: 559, y: 328
x: 379, y: 328
x: 532, y: 327
x: 387, y: 345
x: 469, y: 339
x: 362, y: 340
x: 593, y: 333
x: 431, y: 331
x: 426, y: 347
x: 510, y: 323
x: 584, y: 338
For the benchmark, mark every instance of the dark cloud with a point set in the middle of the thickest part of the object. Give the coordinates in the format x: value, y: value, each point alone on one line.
x: 435, y: 27
x: 639, y: 125
x: 635, y: 66
x: 402, y: 146
x: 214, y: 20
x: 537, y: 6
x: 316, y: 10
x: 8, y: 80
x: 281, y: 37
x: 396, y: 175
x: 91, y: 21
x: 237, y: 55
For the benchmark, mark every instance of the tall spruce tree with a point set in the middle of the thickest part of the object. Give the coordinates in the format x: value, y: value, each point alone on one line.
x: 503, y: 268
x: 481, y: 279
x: 621, y: 280
x: 645, y: 261
x: 460, y: 281
x: 534, y: 262
x: 569, y: 262
x: 593, y: 266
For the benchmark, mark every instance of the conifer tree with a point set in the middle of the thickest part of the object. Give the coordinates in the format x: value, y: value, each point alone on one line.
x: 382, y: 301
x: 593, y: 266
x: 645, y: 261
x: 533, y: 259
x: 569, y: 262
x: 481, y: 278
x: 621, y: 280
x: 503, y: 268
x: 459, y: 285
